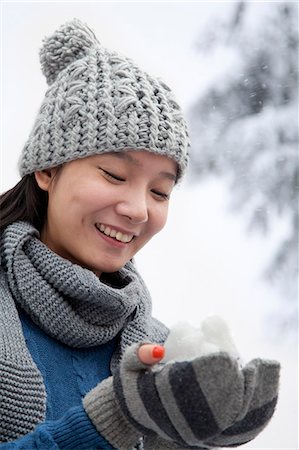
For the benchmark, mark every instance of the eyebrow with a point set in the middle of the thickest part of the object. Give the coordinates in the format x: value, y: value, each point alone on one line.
x: 124, y: 155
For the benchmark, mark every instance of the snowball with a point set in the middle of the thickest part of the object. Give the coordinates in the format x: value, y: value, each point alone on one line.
x: 185, y: 342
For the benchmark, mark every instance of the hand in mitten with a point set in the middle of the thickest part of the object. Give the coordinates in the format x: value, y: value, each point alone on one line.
x: 260, y: 381
x: 195, y: 403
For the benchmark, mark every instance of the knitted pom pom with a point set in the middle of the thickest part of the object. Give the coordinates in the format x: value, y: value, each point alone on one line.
x: 70, y: 42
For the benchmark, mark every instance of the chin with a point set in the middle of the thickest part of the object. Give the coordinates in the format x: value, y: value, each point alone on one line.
x: 108, y: 268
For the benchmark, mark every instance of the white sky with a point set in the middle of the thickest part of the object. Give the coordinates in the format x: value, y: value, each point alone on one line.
x: 203, y: 262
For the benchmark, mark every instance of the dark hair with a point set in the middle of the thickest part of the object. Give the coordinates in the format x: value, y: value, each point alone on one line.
x: 25, y: 201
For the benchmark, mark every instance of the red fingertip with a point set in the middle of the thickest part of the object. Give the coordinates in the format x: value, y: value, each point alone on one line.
x: 158, y: 352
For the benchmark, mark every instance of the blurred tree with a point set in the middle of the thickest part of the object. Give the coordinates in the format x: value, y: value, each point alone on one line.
x: 245, y: 125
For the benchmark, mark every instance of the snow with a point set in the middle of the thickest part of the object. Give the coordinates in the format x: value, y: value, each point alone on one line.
x: 186, y: 342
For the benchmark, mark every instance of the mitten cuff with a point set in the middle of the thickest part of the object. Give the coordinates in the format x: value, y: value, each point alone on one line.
x: 105, y: 414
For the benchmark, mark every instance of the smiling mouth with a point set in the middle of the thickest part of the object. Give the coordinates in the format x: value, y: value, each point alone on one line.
x: 117, y: 235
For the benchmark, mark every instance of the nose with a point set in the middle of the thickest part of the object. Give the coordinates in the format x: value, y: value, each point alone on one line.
x: 134, y: 206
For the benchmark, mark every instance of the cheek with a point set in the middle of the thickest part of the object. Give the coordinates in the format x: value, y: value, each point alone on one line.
x: 159, y: 219
x: 74, y: 202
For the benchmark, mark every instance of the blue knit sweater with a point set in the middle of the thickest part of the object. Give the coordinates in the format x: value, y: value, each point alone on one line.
x: 68, y: 374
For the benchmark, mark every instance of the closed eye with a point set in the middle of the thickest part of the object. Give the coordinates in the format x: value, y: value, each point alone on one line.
x: 162, y: 195
x: 112, y: 176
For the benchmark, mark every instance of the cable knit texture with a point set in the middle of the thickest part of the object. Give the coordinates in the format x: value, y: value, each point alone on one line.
x: 100, y: 101
x: 70, y: 304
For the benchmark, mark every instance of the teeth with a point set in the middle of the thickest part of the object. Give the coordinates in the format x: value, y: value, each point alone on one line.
x: 118, y: 235
x: 107, y: 231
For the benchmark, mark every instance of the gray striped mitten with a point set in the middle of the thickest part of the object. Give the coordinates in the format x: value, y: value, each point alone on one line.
x: 202, y: 403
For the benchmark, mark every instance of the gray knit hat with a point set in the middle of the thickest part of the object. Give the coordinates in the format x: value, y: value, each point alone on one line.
x: 99, y: 101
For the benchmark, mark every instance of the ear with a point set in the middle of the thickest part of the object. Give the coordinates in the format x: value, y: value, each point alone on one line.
x: 44, y: 178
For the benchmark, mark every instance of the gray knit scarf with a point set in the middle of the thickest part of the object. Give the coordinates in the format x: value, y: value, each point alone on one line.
x: 72, y: 305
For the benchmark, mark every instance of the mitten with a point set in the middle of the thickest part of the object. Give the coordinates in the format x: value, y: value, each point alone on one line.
x: 200, y: 403
x: 261, y: 380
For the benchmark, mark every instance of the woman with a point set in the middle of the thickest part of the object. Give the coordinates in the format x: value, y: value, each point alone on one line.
x: 78, y: 345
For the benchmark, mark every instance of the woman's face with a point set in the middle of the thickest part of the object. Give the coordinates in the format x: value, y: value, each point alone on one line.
x: 104, y: 208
